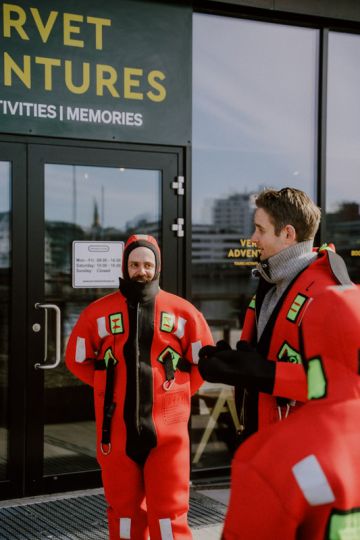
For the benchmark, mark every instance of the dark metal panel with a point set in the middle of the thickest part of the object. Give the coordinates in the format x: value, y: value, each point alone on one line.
x: 264, y: 4
x: 35, y: 378
x: 170, y: 243
x: 322, y: 116
x: 188, y: 225
x: 16, y: 154
x: 331, y: 9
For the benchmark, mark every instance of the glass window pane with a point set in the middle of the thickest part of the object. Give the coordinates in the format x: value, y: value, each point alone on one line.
x: 84, y: 203
x: 343, y: 154
x: 254, y: 126
x: 5, y: 274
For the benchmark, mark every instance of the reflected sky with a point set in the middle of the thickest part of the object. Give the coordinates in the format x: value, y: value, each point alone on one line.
x: 343, y: 135
x: 254, y: 108
x: 71, y: 193
x: 4, y: 186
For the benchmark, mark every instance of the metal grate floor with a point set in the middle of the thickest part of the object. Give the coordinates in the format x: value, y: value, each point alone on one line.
x: 84, y: 518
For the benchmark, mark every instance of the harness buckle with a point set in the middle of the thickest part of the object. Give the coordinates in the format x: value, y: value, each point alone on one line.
x: 287, y: 410
x: 167, y: 385
x: 103, y: 451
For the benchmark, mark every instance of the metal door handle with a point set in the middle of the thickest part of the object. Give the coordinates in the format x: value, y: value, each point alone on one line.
x: 57, y: 336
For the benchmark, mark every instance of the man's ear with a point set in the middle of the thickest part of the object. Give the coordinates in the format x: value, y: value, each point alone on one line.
x: 290, y: 234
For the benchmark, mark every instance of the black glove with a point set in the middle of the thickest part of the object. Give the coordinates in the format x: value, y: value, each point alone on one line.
x: 212, y: 350
x: 245, y: 367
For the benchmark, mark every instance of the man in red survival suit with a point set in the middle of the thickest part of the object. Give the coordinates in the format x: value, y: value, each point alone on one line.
x: 138, y: 348
x: 266, y: 367
x: 300, y: 479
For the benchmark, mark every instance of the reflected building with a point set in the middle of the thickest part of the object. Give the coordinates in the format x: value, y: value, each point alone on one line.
x: 5, y: 268
x: 222, y: 255
x: 5, y: 240
x: 235, y: 212
x: 144, y: 223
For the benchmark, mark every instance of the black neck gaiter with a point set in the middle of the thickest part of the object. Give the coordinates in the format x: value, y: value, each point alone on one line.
x: 137, y: 292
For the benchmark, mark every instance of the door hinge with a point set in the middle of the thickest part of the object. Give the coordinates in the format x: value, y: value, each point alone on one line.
x: 178, y: 185
x: 178, y: 227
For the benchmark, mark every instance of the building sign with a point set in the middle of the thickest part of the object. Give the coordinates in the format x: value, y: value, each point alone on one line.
x: 115, y: 70
x: 96, y: 264
x: 245, y: 254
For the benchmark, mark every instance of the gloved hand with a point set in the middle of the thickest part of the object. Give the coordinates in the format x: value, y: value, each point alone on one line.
x: 211, y: 350
x: 245, y: 367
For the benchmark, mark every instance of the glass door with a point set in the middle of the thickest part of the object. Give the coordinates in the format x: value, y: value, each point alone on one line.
x: 83, y: 195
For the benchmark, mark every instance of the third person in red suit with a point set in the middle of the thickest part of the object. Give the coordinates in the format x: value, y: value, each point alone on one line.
x: 299, y: 480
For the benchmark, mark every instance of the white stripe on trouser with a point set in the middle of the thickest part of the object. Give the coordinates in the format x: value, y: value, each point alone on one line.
x: 101, y: 324
x: 180, y: 331
x: 124, y: 528
x: 312, y: 481
x: 195, y: 348
x: 166, y: 529
x: 80, y: 354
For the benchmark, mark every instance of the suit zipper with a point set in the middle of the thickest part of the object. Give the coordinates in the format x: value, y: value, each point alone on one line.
x: 137, y: 354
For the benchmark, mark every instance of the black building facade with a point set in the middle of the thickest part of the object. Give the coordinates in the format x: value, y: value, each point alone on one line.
x: 163, y: 118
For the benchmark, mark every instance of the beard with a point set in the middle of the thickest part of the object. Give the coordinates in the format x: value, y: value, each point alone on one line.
x: 141, y: 279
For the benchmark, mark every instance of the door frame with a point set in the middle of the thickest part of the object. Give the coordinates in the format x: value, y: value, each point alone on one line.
x: 13, y: 485
x: 26, y: 424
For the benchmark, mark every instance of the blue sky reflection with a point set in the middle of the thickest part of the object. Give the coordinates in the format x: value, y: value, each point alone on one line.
x: 254, y: 108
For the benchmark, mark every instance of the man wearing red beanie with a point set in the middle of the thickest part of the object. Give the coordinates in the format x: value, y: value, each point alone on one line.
x: 138, y: 348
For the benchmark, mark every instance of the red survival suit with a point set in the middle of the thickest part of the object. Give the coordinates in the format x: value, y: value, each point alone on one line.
x: 300, y: 479
x: 280, y: 341
x: 130, y: 346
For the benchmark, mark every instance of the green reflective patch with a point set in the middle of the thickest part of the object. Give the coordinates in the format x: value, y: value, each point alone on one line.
x: 295, y: 308
x: 174, y: 355
x: 116, y: 323
x: 288, y: 354
x: 344, y: 526
x: 167, y: 322
x: 109, y: 355
x: 252, y: 303
x: 316, y: 379
x: 326, y: 247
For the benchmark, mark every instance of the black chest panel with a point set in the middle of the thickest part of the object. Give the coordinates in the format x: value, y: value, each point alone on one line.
x: 141, y: 435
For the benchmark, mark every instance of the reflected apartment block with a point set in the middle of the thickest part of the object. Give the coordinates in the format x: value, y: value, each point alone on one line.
x: 211, y: 244
x: 235, y: 212
x: 232, y: 222
x: 221, y: 286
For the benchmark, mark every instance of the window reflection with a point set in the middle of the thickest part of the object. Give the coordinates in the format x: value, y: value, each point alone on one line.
x: 84, y: 203
x: 254, y: 126
x: 5, y: 268
x: 343, y: 143
x: 95, y: 203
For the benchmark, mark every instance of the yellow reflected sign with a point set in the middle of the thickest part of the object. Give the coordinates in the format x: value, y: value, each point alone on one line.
x: 244, y: 255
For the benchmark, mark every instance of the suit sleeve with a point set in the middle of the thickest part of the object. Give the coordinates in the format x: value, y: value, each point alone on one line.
x: 290, y: 381
x: 197, y: 335
x: 82, y: 349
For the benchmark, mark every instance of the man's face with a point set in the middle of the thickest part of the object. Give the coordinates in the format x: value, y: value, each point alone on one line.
x: 264, y: 236
x: 141, y: 264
